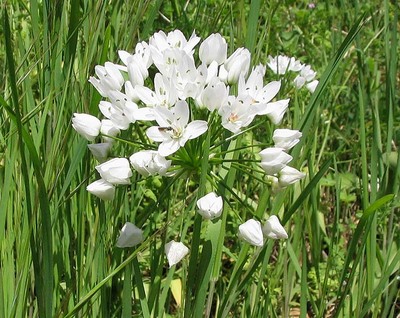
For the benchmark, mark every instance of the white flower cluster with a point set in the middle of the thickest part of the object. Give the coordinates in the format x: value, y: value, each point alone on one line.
x: 281, y: 64
x: 274, y: 160
x: 223, y: 85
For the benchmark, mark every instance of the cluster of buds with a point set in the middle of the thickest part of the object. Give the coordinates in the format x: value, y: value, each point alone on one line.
x: 169, y: 99
x: 282, y: 64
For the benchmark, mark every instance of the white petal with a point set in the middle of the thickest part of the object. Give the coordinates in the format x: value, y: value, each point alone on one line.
x: 175, y: 252
x: 195, y: 129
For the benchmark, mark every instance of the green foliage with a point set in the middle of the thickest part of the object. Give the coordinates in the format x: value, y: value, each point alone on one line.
x: 57, y: 242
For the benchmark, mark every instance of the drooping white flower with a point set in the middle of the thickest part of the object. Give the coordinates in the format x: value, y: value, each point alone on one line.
x: 213, y: 48
x: 109, y: 79
x: 289, y: 175
x: 86, y: 125
x: 115, y: 171
x: 274, y: 160
x: 210, y: 206
x: 130, y: 236
x: 175, y: 251
x: 286, y: 138
x: 102, y: 189
x: 100, y: 150
x: 174, y: 129
x: 275, y: 110
x: 149, y: 163
x: 312, y: 85
x: 238, y: 63
x: 251, y: 232
x: 273, y: 229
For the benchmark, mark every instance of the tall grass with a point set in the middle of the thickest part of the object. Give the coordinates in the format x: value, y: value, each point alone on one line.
x: 58, y: 254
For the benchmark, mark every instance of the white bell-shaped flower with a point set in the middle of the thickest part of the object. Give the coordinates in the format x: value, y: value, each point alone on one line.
x: 286, y: 138
x: 102, y: 189
x: 149, y: 163
x: 274, y: 160
x: 214, y: 95
x: 289, y: 175
x: 312, y: 86
x: 109, y: 79
x: 214, y: 48
x: 130, y: 236
x: 210, y: 206
x: 273, y: 229
x: 238, y: 63
x: 251, y: 232
x: 175, y: 251
x: 275, y: 110
x: 115, y: 171
x: 100, y: 151
x: 86, y: 125
x: 108, y: 128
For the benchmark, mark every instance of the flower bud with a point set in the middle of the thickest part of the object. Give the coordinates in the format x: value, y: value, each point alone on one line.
x: 274, y: 160
x: 108, y: 128
x: 289, y: 175
x: 115, y: 171
x: 100, y: 151
x: 175, y: 251
x: 251, y: 232
x: 214, y: 48
x: 286, y: 138
x: 238, y: 63
x: 210, y: 206
x: 102, y: 189
x: 130, y: 236
x: 273, y: 229
x: 86, y: 125
x: 276, y: 110
x: 312, y: 86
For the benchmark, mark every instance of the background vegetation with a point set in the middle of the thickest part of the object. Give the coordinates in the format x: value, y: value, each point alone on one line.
x: 57, y: 242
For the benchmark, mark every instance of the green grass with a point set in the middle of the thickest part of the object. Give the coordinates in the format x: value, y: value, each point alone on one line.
x: 57, y: 242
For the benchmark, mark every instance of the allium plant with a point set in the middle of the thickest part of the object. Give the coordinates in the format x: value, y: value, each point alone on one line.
x: 181, y: 101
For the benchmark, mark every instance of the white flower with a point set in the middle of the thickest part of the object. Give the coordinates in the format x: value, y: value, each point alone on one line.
x: 86, y: 125
x: 312, y: 86
x: 102, y: 189
x: 175, y: 39
x: 237, y: 113
x: 281, y: 64
x: 274, y: 160
x: 130, y: 236
x: 289, y: 175
x: 115, y: 171
x: 165, y: 93
x: 273, y: 229
x: 214, y: 48
x: 275, y: 110
x: 109, y: 129
x: 238, y: 63
x: 286, y: 138
x: 251, y: 232
x: 210, y: 206
x: 214, y: 95
x: 109, y: 79
x: 307, y: 73
x: 174, y: 129
x: 100, y: 151
x: 149, y: 163
x: 175, y: 251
